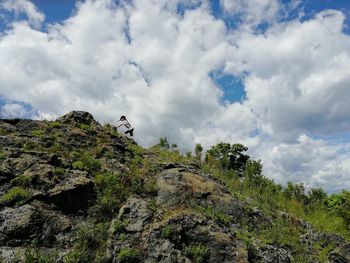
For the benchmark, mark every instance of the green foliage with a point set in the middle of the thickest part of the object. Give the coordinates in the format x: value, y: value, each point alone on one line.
x: 163, y: 143
x: 15, y: 195
x: 198, y: 253
x: 87, y: 162
x: 128, y: 255
x: 295, y: 191
x: 198, y: 151
x: 56, y: 148
x: 38, y: 133
x: 167, y: 232
x: 22, y: 180
x: 112, y: 190
x: 2, y: 155
x: 316, y: 196
x: 55, y: 124
x: 119, y: 226
x: 214, y: 214
x: 29, y: 145
x: 86, y: 128
x: 59, y: 171
x: 33, y: 255
x: 227, y: 157
x: 90, y: 244
x: 340, y: 204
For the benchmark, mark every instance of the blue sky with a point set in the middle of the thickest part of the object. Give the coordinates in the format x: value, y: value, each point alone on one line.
x: 273, y: 75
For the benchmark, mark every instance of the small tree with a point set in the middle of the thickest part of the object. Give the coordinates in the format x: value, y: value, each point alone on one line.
x: 228, y: 157
x: 163, y: 142
x: 198, y: 151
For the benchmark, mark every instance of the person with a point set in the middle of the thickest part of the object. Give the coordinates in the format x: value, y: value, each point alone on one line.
x: 124, y: 121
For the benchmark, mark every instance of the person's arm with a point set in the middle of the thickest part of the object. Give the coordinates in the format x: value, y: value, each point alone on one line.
x: 120, y: 123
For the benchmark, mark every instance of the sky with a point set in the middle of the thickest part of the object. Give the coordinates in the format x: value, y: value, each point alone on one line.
x: 273, y: 75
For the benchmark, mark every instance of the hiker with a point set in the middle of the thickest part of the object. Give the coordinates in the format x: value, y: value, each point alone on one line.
x: 124, y: 121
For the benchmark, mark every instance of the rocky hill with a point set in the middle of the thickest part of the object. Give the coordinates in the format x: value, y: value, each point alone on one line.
x: 74, y: 191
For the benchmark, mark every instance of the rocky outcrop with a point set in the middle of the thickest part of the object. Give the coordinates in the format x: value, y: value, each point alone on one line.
x: 51, y: 175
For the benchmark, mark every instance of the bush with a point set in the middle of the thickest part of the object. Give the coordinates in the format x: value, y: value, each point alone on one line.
x: 16, y: 195
x: 227, y: 157
x: 112, y: 190
x: 90, y: 244
x: 32, y: 255
x: 38, y: 133
x: 128, y: 255
x: 55, y: 124
x: 198, y: 253
x: 87, y: 162
x: 167, y: 231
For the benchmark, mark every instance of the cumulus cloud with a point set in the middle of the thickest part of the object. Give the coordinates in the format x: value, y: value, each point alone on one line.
x: 253, y: 12
x: 35, y: 17
x: 152, y: 63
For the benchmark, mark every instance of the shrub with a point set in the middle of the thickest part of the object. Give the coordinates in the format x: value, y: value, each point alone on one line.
x: 88, y: 163
x: 32, y: 255
x: 128, y: 255
x: 55, y: 124
x: 38, y: 133
x: 86, y: 128
x: 112, y: 190
x: 16, y: 195
x: 22, y: 180
x: 119, y: 226
x: 59, y: 171
x: 227, y: 156
x: 90, y: 244
x: 198, y: 253
x: 167, y: 231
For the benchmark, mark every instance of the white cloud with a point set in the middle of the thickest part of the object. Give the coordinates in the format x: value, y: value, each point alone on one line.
x: 16, y: 110
x: 315, y: 163
x: 148, y: 62
x: 35, y: 17
x: 253, y: 12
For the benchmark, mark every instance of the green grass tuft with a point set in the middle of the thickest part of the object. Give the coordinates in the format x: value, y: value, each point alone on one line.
x: 15, y: 195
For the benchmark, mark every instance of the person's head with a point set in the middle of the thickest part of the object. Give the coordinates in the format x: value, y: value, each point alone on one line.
x: 123, y: 118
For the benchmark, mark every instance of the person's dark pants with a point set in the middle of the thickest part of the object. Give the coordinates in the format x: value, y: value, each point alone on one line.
x: 131, y: 132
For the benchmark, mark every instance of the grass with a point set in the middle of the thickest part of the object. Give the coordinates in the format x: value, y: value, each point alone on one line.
x: 90, y: 244
x: 2, y: 155
x: 167, y: 232
x: 217, y: 215
x: 128, y: 255
x: 38, y: 133
x: 33, y: 255
x: 15, y: 195
x: 198, y: 253
x: 55, y: 124
x: 22, y: 180
x: 87, y: 162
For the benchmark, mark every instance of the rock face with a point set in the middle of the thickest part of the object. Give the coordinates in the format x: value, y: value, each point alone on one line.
x: 54, y: 176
